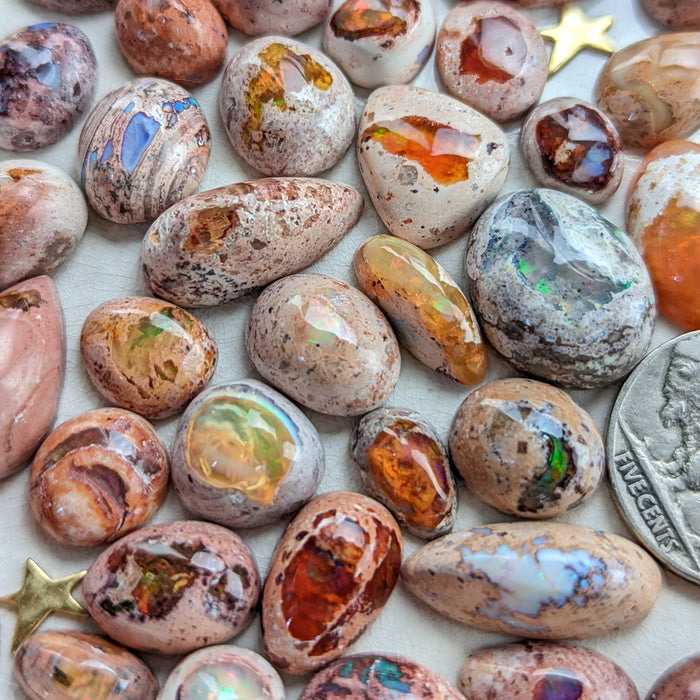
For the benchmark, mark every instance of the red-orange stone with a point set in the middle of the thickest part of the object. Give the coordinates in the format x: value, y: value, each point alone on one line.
x: 361, y: 19
x: 479, y: 56
x: 663, y: 218
x: 442, y: 151
x: 331, y: 575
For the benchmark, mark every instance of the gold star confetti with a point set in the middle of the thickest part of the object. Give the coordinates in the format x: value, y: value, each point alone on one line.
x: 39, y: 596
x: 574, y: 33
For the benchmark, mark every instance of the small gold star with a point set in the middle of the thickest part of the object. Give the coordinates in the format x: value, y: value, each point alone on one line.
x: 574, y: 33
x: 39, y: 596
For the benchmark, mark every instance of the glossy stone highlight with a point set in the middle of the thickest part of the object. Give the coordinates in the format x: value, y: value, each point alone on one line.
x: 491, y: 57
x: 180, y: 40
x: 380, y: 42
x: 147, y: 355
x: 572, y: 146
x: 143, y: 147
x: 404, y: 465
x: 287, y: 17
x: 66, y: 665
x: 431, y: 165
x: 97, y: 477
x: 545, y: 580
x: 174, y: 587
x: 663, y: 218
x: 331, y: 574
x: 324, y: 344
x: 526, y: 448
x: 218, y: 245
x: 560, y: 292
x: 287, y: 108
x: 223, y: 671
x: 32, y: 365
x: 648, y: 89
x: 432, y: 317
x: 48, y: 74
x: 245, y: 456
x: 43, y: 216
x: 679, y: 681
x: 76, y: 7
x: 380, y: 677
x: 544, y: 671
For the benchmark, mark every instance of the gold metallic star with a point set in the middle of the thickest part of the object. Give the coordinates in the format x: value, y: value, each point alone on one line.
x: 574, y: 33
x: 39, y: 596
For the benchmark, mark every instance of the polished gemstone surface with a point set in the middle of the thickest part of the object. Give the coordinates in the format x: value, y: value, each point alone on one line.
x: 491, y: 57
x: 648, y: 89
x: 572, y: 146
x: 98, y: 476
x: 404, y: 465
x: 544, y: 580
x: 663, y: 218
x: 180, y: 40
x: 331, y: 575
x: 287, y: 108
x: 174, y: 587
x: 544, y: 671
x: 432, y: 317
x: 431, y: 164
x: 143, y: 147
x: 380, y: 42
x: 287, y: 17
x: 48, y: 75
x: 147, y: 355
x: 245, y: 456
x: 526, y: 448
x: 560, y: 292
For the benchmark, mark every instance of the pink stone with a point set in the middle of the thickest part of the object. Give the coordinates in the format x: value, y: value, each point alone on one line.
x: 32, y: 365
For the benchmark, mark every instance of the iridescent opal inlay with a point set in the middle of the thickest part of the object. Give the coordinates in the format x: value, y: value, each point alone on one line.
x: 442, y: 151
x: 222, y: 680
x: 241, y: 443
x: 363, y: 19
x: 494, y: 51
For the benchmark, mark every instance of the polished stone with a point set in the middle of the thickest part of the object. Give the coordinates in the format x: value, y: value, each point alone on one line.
x: 663, y: 218
x: 559, y: 291
x: 430, y: 313
x: 649, y: 90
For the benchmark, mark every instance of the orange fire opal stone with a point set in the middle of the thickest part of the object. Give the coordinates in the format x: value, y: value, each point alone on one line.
x: 430, y: 313
x: 663, y: 218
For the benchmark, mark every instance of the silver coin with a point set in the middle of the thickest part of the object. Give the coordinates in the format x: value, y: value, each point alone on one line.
x: 653, y: 453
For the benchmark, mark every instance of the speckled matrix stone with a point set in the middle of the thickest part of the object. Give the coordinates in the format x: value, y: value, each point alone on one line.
x: 430, y: 313
x: 287, y: 108
x: 663, y: 218
x: 559, y: 291
x: 48, y: 74
x: 43, y: 216
x: 544, y: 580
x: 174, y: 587
x: 77, y: 7
x: 380, y: 42
x: 324, y: 344
x: 180, y: 40
x: 544, y: 671
x: 404, y: 465
x: 526, y: 448
x: 572, y: 146
x: 676, y: 14
x: 678, y: 682
x: 221, y: 244
x: 331, y: 574
x: 492, y: 57
x: 245, y: 456
x: 649, y: 89
x: 379, y: 677
x: 287, y: 17
x: 431, y: 164
x: 143, y: 147
x: 147, y: 355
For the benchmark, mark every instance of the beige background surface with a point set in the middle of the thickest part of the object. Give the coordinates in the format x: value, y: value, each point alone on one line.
x: 106, y: 265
